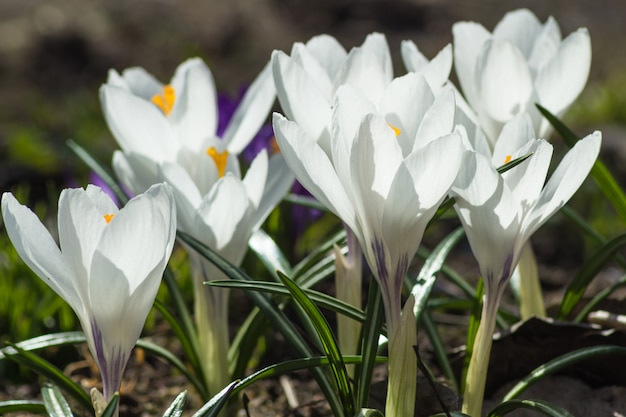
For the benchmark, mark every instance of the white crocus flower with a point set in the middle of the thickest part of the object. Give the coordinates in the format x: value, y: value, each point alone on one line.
x: 500, y: 212
x: 108, y: 267
x: 155, y: 123
x: 521, y: 63
x: 385, y: 192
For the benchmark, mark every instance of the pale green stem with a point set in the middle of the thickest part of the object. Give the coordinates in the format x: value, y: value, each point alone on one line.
x: 348, y: 283
x: 402, y: 379
x: 479, y: 362
x: 211, y: 316
x: 531, y: 298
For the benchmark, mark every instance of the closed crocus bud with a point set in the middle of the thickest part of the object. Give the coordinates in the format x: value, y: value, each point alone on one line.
x: 521, y: 63
x: 108, y: 265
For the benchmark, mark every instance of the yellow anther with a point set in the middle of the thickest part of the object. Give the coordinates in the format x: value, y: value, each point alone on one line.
x: 108, y: 217
x: 395, y: 129
x: 220, y: 159
x: 165, y: 99
x: 274, y: 148
x: 507, y: 159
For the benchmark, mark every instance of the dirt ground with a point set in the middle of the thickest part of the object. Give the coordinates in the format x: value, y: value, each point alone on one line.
x: 59, y: 51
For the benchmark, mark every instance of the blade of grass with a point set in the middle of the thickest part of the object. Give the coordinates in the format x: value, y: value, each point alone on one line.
x: 438, y: 348
x: 22, y: 406
x: 472, y: 329
x: 56, y: 405
x: 537, y: 406
x: 112, y: 407
x: 177, y: 406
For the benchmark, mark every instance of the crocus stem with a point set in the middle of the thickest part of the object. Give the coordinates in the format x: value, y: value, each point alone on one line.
x: 402, y: 378
x: 348, y: 282
x: 531, y: 298
x: 479, y: 362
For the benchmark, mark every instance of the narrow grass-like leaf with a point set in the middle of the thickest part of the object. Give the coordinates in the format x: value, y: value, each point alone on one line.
x: 575, y: 290
x: 438, y: 348
x: 428, y: 274
x: 323, y: 300
x: 601, y: 175
x: 56, y: 405
x: 369, y: 412
x: 44, y: 368
x: 329, y: 343
x: 215, y: 404
x: 112, y: 407
x: 305, y: 201
x: 45, y: 341
x: 472, y: 329
x: 22, y: 406
x: 539, y: 406
x: 320, y: 252
x: 174, y: 361
x: 598, y: 298
x: 269, y: 253
x: 273, y: 314
x: 370, y: 333
x: 450, y: 274
x: 100, y: 170
x: 244, y: 343
x: 561, y: 363
x: 177, y: 406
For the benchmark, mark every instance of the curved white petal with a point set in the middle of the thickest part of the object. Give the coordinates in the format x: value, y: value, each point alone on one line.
x: 135, y: 171
x: 101, y: 200
x: 503, y: 80
x: 38, y: 250
x: 279, y: 181
x: 515, y: 134
x: 140, y: 82
x: 328, y: 52
x: 256, y: 177
x: 436, y: 72
x: 302, y: 56
x: 252, y: 112
x: 546, y: 45
x: 300, y: 99
x: 565, y: 180
x: 520, y: 27
x: 413, y: 59
x: 376, y: 43
x: 137, y: 125
x: 188, y: 198
x: 438, y: 120
x: 364, y: 71
x: 313, y: 169
x: 469, y: 38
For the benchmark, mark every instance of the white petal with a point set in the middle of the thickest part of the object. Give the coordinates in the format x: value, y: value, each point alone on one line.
x: 137, y: 125
x: 565, y: 181
x: 256, y: 177
x: 546, y: 45
x: 188, y: 198
x: 252, y: 112
x: 377, y: 44
x: 364, y: 71
x: 194, y: 114
x: 101, y: 200
x: 436, y: 71
x: 520, y: 27
x: 469, y: 38
x: 302, y: 56
x: 503, y: 80
x: 438, y: 120
x: 312, y: 168
x: 515, y: 134
x: 404, y: 105
x: 279, y: 181
x: 135, y: 171
x: 141, y: 82
x: 413, y: 59
x: 300, y: 99
x: 328, y: 52
x: 561, y: 80
x: 38, y: 250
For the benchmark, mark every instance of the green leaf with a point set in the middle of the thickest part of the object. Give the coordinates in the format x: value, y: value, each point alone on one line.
x: 269, y: 253
x: 438, y: 347
x: 561, y: 363
x: 22, y: 406
x: 601, y: 175
x: 539, y: 406
x: 215, y: 404
x: 100, y: 170
x: 369, y: 412
x: 576, y: 289
x: 598, y: 298
x: 428, y: 274
x: 320, y: 253
x: 320, y: 298
x: 271, y: 311
x: 44, y: 368
x: 45, y: 341
x: 176, y: 407
x: 472, y: 329
x: 329, y: 343
x: 370, y: 333
x: 56, y: 405
x: 112, y: 407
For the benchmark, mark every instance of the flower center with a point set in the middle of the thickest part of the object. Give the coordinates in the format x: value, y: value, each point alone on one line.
x: 395, y: 129
x: 165, y: 99
x: 108, y: 217
x: 507, y: 159
x: 220, y: 159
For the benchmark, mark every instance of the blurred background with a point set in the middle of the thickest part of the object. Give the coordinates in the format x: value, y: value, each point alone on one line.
x: 54, y: 54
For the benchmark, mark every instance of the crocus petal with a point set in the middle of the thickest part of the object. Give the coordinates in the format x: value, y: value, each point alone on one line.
x: 255, y: 178
x: 299, y: 97
x: 564, y: 182
x: 562, y: 79
x: 469, y: 38
x: 301, y: 55
x: 519, y: 27
x: 188, y: 198
x: 101, y: 200
x: 194, y: 114
x: 251, y: 113
x: 376, y: 43
x: 135, y: 171
x: 436, y: 71
x: 546, y: 45
x: 313, y: 169
x: 503, y: 80
x: 138, y: 125
x: 140, y: 82
x: 438, y: 120
x: 515, y: 133
x: 328, y: 52
x: 38, y: 250
x: 363, y: 70
x: 279, y: 181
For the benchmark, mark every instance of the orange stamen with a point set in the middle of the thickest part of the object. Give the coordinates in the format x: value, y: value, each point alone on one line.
x: 274, y: 148
x: 395, y: 129
x: 507, y: 159
x: 165, y: 99
x: 108, y: 217
x: 220, y: 159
